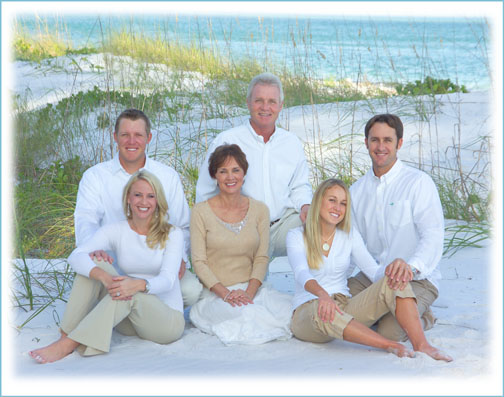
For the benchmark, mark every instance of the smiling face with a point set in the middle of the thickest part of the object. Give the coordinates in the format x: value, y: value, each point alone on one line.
x: 229, y: 176
x: 264, y: 106
x: 132, y: 139
x: 382, y: 145
x: 142, y: 200
x: 333, y: 206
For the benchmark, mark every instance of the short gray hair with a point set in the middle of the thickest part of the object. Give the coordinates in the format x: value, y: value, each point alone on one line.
x: 265, y: 79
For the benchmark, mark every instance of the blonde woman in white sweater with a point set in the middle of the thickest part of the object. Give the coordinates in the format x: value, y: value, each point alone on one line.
x: 146, y: 301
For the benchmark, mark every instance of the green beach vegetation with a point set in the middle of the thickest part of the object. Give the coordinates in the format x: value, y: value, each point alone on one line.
x: 184, y: 88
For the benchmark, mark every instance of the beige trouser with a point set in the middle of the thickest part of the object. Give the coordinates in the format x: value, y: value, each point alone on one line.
x: 278, y: 232
x: 366, y: 307
x: 91, y: 315
x: 191, y: 288
x: 425, y: 293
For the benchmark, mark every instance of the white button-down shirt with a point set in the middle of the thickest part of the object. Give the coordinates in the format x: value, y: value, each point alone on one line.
x: 99, y: 199
x: 278, y: 173
x: 400, y: 216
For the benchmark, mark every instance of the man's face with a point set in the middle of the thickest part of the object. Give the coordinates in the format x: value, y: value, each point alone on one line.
x: 264, y: 106
x: 382, y: 145
x: 132, y: 139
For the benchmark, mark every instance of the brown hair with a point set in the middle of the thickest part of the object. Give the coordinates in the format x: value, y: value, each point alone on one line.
x: 391, y: 120
x: 133, y: 114
x: 222, y: 153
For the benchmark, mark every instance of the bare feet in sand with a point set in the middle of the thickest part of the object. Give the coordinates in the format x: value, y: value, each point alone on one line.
x: 436, y: 354
x: 55, y: 351
x: 401, y: 351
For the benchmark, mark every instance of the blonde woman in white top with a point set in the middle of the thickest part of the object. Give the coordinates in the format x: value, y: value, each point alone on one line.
x: 147, y: 301
x: 320, y: 254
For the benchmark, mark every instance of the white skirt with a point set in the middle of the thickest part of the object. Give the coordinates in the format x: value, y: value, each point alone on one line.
x: 267, y: 319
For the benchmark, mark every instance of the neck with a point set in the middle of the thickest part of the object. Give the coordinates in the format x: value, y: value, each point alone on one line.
x: 141, y: 226
x: 266, y: 133
x: 327, y: 230
x: 131, y: 168
x: 230, y: 200
x: 379, y: 172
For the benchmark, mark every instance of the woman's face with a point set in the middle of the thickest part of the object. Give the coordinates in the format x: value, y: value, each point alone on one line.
x: 230, y: 176
x: 142, y: 200
x: 333, y: 207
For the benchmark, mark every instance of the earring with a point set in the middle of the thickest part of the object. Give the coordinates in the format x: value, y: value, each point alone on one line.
x: 157, y: 212
x: 128, y: 212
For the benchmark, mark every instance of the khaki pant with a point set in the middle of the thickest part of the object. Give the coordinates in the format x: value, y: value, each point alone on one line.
x: 278, y: 232
x: 388, y: 326
x: 366, y: 307
x: 191, y: 288
x: 91, y: 315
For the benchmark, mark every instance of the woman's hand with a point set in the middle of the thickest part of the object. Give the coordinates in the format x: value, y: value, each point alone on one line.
x: 123, y: 287
x: 238, y: 297
x: 327, y: 308
x: 235, y: 297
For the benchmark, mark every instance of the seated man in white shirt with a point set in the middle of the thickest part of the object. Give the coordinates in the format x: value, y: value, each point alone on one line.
x: 397, y: 210
x: 99, y: 198
x: 278, y: 174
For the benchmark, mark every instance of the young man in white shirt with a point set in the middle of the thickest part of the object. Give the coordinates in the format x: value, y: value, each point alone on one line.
x: 278, y: 174
x: 99, y: 198
x: 397, y: 210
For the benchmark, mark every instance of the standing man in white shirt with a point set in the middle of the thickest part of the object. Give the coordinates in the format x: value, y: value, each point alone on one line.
x: 397, y: 210
x: 278, y: 174
x: 99, y: 198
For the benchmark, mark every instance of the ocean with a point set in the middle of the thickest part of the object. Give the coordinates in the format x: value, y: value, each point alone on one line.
x: 378, y: 49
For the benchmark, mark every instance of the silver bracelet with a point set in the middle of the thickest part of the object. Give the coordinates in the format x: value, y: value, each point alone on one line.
x: 226, y: 296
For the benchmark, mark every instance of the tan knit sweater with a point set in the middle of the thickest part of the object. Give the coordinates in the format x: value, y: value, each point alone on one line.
x: 220, y: 255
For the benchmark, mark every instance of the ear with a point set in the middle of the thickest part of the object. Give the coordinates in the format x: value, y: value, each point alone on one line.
x: 399, y: 143
x: 149, y: 137
x: 115, y: 137
x: 366, y: 142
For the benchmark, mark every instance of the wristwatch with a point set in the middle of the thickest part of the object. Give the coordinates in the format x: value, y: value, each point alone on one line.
x: 415, y: 271
x: 147, y: 286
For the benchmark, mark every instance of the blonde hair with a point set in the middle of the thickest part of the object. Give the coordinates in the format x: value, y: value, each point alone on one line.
x: 312, y: 228
x: 159, y: 228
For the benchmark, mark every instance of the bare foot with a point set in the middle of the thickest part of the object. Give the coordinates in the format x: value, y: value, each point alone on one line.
x: 401, y: 351
x: 55, y: 351
x: 436, y: 354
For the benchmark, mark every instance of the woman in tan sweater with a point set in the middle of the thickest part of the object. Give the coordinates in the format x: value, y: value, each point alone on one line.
x: 229, y: 245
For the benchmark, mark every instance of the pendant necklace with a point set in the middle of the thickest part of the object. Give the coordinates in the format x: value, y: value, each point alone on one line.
x: 326, y: 246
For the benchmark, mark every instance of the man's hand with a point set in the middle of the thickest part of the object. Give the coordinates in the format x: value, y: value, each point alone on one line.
x: 101, y: 255
x: 399, y: 274
x: 304, y: 212
x: 182, y: 270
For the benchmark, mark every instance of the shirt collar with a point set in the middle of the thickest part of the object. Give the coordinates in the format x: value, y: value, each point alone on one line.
x: 117, y: 167
x: 391, y: 174
x: 258, y: 137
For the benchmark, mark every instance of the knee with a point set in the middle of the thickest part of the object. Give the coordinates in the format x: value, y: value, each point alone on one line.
x: 191, y: 289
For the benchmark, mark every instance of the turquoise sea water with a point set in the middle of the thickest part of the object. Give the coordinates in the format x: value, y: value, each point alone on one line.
x: 379, y: 49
